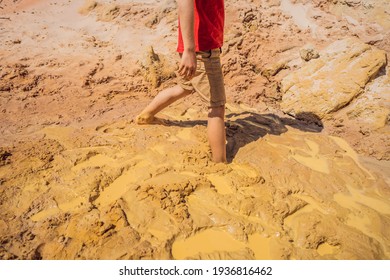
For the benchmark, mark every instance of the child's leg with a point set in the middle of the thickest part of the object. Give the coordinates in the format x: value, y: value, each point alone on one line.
x: 162, y: 100
x: 216, y: 133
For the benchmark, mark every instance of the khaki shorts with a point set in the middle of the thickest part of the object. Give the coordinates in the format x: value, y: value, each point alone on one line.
x: 208, y: 78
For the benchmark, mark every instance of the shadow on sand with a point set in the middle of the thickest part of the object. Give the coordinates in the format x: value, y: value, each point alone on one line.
x: 246, y: 127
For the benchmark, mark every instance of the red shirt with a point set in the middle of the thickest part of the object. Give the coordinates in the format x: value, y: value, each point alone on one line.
x: 209, y: 18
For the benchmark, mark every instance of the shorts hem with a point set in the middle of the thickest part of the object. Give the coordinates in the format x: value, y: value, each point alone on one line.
x: 217, y: 104
x: 186, y: 87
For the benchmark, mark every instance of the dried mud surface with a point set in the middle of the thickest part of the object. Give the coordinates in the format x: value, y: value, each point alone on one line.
x: 80, y: 180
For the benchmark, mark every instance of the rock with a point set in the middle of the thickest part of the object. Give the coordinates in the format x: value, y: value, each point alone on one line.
x: 308, y: 53
x: 88, y: 6
x: 4, y: 156
x: 331, y: 82
x: 372, y: 40
x: 367, y: 4
x: 373, y: 106
x: 104, y: 11
x: 108, y: 12
x: 274, y: 68
x: 351, y: 20
x: 351, y: 3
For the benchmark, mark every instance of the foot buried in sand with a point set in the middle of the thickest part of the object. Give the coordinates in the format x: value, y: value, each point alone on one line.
x: 143, y: 119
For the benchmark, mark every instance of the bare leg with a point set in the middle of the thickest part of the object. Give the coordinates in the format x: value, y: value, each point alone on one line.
x: 162, y: 100
x: 216, y: 133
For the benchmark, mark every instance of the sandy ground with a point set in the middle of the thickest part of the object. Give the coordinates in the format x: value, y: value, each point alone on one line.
x: 80, y: 180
